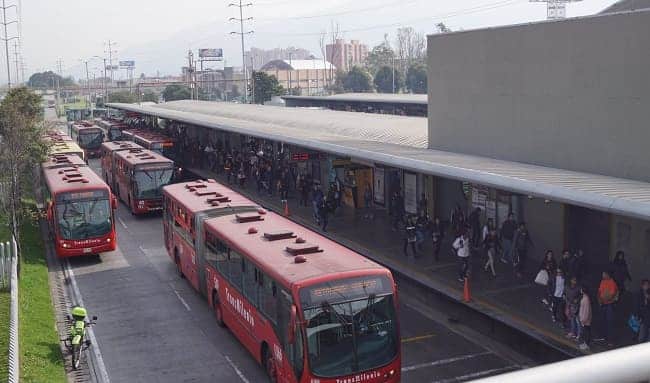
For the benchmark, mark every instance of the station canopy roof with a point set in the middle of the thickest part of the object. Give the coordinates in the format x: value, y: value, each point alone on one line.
x: 385, y: 98
x: 401, y: 142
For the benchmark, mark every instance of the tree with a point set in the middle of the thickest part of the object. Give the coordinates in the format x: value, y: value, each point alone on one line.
x: 21, y: 145
x: 384, y: 80
x: 265, y: 87
x: 411, y: 48
x: 357, y: 80
x: 379, y: 56
x: 416, y: 79
x: 48, y: 80
x: 123, y: 96
x: 175, y: 92
x: 149, y: 96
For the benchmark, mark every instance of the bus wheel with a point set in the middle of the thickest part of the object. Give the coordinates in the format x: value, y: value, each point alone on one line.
x: 218, y: 314
x: 269, y: 364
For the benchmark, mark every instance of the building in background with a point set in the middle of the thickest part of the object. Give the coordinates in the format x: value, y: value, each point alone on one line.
x: 257, y: 57
x: 305, y: 77
x: 345, y: 55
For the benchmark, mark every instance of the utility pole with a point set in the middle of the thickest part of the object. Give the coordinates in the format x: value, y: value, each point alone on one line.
x: 252, y: 79
x: 110, y: 57
x: 190, y: 73
x: 392, y: 59
x: 6, y: 38
x: 88, y: 103
x: 241, y: 33
x: 59, y: 64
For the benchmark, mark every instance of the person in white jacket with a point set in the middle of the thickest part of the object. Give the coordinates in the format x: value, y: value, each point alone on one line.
x: 462, y: 246
x: 584, y: 315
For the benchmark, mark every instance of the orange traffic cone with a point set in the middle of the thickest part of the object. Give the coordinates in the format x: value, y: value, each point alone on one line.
x: 467, y: 295
x: 286, y: 208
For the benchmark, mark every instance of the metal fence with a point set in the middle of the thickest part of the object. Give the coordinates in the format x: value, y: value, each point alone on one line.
x: 9, y: 280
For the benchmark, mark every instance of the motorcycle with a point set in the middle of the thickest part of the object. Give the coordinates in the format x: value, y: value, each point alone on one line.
x: 76, y: 342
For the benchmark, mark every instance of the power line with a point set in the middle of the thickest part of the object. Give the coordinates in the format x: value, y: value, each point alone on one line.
x: 241, y: 33
x: 341, y: 13
x: 482, y: 8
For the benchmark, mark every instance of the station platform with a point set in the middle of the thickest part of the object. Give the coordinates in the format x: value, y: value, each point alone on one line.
x: 512, y: 302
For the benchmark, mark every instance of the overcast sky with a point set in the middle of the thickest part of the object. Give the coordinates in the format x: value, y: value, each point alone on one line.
x: 158, y: 33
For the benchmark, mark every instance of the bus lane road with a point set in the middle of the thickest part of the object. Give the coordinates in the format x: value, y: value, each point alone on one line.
x: 153, y: 327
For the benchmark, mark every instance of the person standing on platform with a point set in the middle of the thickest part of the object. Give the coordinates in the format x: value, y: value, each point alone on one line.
x: 462, y: 247
x: 507, y: 236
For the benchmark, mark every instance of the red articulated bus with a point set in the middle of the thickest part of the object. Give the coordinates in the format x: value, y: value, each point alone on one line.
x: 107, y: 157
x: 308, y: 309
x: 139, y: 176
x: 79, y: 207
x: 157, y: 142
x: 89, y: 138
x: 113, y: 127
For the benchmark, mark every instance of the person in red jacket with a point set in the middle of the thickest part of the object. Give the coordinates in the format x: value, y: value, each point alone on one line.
x: 607, y: 297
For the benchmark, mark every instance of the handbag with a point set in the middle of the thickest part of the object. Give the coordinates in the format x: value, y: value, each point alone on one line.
x: 634, y: 323
x: 542, y: 278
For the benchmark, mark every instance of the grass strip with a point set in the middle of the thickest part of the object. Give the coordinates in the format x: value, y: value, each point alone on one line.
x: 40, y: 355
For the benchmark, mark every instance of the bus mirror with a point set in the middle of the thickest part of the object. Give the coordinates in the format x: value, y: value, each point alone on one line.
x: 291, y: 333
x: 114, y: 202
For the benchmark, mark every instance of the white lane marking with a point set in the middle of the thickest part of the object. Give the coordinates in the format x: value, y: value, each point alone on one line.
x: 444, y: 361
x: 122, y: 223
x: 180, y: 298
x: 473, y: 375
x: 89, y: 330
x: 237, y: 370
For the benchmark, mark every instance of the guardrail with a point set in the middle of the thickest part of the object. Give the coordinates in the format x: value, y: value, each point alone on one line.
x: 9, y: 279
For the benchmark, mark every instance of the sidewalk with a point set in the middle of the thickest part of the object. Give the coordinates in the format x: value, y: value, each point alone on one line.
x: 515, y: 302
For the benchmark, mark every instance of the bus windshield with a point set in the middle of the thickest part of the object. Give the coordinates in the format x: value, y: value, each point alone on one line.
x: 91, y: 139
x: 149, y: 182
x: 83, y: 219
x: 349, y: 336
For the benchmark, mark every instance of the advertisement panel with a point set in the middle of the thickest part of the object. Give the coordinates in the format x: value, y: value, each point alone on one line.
x: 378, y: 185
x: 410, y: 193
x: 127, y: 64
x: 211, y: 54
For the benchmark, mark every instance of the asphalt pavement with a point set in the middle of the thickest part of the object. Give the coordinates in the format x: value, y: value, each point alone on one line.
x: 153, y: 327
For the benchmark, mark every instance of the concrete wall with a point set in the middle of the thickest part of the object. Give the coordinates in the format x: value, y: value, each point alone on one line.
x: 632, y: 236
x: 545, y: 222
x: 571, y: 94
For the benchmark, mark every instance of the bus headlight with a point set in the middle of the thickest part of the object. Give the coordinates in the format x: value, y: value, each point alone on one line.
x: 108, y: 240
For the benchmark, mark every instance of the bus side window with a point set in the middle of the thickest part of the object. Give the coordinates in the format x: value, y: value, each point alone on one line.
x: 250, y: 284
x: 235, y: 269
x: 268, y: 298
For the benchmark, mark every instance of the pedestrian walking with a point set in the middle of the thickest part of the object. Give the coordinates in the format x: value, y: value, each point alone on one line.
x: 323, y: 212
x: 367, y: 201
x: 620, y: 271
x: 491, y: 245
x: 474, y: 222
x: 410, y: 236
x: 585, y: 317
x: 549, y: 265
x: 642, y: 312
x: 462, y: 247
x: 437, y: 234
x: 457, y: 220
x: 316, y: 202
x: 520, y: 244
x: 507, y: 234
x: 572, y: 304
x: 607, y: 297
x: 558, y: 296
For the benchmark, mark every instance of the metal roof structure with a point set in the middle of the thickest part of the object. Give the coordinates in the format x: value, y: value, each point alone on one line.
x: 626, y: 5
x: 402, y: 142
x: 389, y: 98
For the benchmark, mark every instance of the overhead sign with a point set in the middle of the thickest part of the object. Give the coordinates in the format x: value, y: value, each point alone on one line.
x: 211, y: 54
x: 127, y: 64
